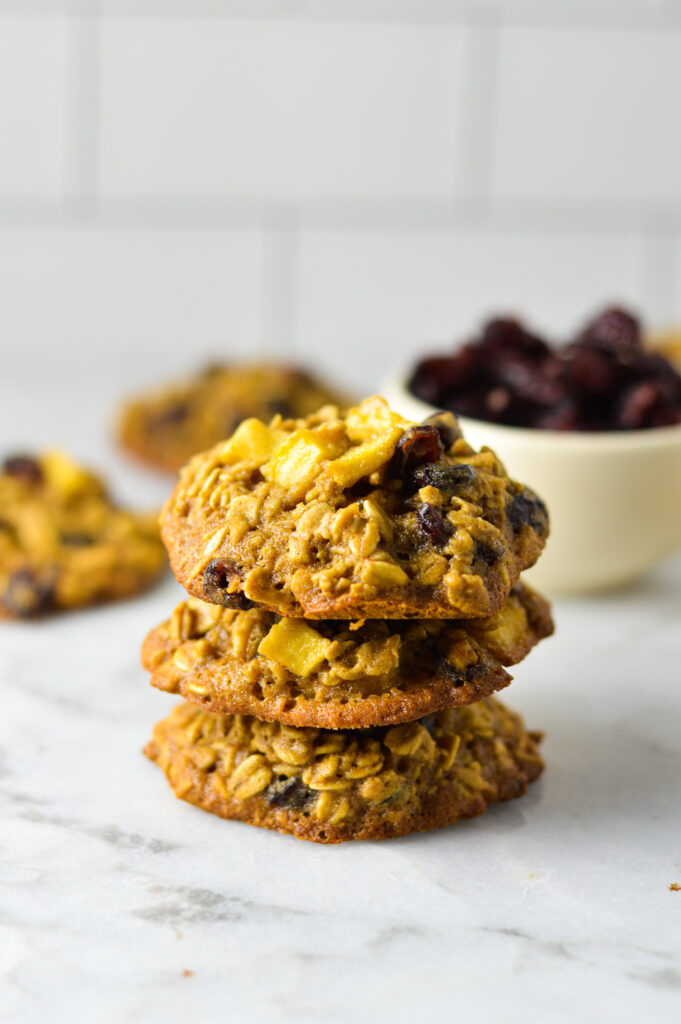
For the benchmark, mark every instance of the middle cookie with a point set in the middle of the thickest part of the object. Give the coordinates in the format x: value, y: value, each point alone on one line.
x: 339, y: 674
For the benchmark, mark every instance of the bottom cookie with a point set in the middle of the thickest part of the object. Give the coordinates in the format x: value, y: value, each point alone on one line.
x: 330, y: 786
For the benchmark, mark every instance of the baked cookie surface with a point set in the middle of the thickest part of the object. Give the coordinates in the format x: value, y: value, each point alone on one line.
x: 63, y: 544
x: 334, y: 786
x: 365, y: 515
x: 164, y: 428
x: 336, y: 674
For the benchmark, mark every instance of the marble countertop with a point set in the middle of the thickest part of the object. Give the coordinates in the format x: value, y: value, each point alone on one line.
x: 120, y: 903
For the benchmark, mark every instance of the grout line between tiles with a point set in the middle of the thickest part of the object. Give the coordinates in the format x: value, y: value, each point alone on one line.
x: 479, y: 82
x: 469, y: 212
x: 587, y: 16
x: 81, y: 171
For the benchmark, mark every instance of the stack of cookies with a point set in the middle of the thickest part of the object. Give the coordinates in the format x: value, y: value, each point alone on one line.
x: 355, y: 601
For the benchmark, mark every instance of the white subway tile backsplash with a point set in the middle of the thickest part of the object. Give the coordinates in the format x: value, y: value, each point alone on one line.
x: 368, y: 303
x: 139, y: 305
x: 582, y: 13
x: 589, y: 115
x: 280, y: 109
x: 32, y: 73
x: 162, y: 156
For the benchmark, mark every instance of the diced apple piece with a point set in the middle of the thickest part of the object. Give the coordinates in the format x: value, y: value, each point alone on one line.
x: 298, y: 461
x: 296, y: 646
x: 372, y: 418
x: 363, y: 459
x: 384, y: 574
x: 461, y: 654
x: 501, y: 632
x: 251, y: 442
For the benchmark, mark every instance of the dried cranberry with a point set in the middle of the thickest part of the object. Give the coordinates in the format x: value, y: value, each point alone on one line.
x: 665, y: 417
x: 447, y: 427
x: 443, y: 666
x: 638, y: 404
x: 615, y: 328
x: 497, y: 401
x: 27, y: 594
x: 449, y: 479
x: 517, y: 375
x: 216, y: 581
x: 439, y: 376
x: 431, y: 521
x: 291, y: 794
x: 526, y: 509
x: 508, y: 375
x: 563, y: 416
x: 281, y: 406
x: 506, y: 333
x: 77, y: 539
x: 171, y: 416
x: 417, y: 445
x: 655, y: 365
x: 591, y: 368
x: 486, y: 553
x: 467, y: 402
x: 23, y: 467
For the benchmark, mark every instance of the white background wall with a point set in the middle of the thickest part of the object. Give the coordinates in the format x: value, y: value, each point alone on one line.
x: 341, y: 180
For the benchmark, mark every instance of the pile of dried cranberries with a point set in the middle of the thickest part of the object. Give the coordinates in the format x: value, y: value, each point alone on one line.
x: 603, y: 380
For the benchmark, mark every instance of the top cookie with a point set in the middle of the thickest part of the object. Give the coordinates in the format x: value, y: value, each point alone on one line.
x: 365, y: 515
x: 166, y: 427
x: 63, y: 543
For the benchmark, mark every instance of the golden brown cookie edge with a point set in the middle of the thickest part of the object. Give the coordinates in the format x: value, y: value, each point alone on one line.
x: 388, y: 709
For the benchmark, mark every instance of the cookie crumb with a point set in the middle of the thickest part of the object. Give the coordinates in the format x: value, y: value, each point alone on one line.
x: 187, y: 973
x: 674, y: 887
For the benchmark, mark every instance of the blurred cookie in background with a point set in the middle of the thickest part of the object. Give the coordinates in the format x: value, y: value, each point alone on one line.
x: 168, y: 425
x: 64, y: 543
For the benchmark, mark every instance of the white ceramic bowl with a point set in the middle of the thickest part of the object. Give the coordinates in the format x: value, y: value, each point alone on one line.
x: 614, y: 498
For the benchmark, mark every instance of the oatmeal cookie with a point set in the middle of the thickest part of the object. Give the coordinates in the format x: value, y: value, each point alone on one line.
x: 336, y: 674
x: 164, y: 428
x: 362, y: 784
x: 365, y: 515
x: 63, y: 544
